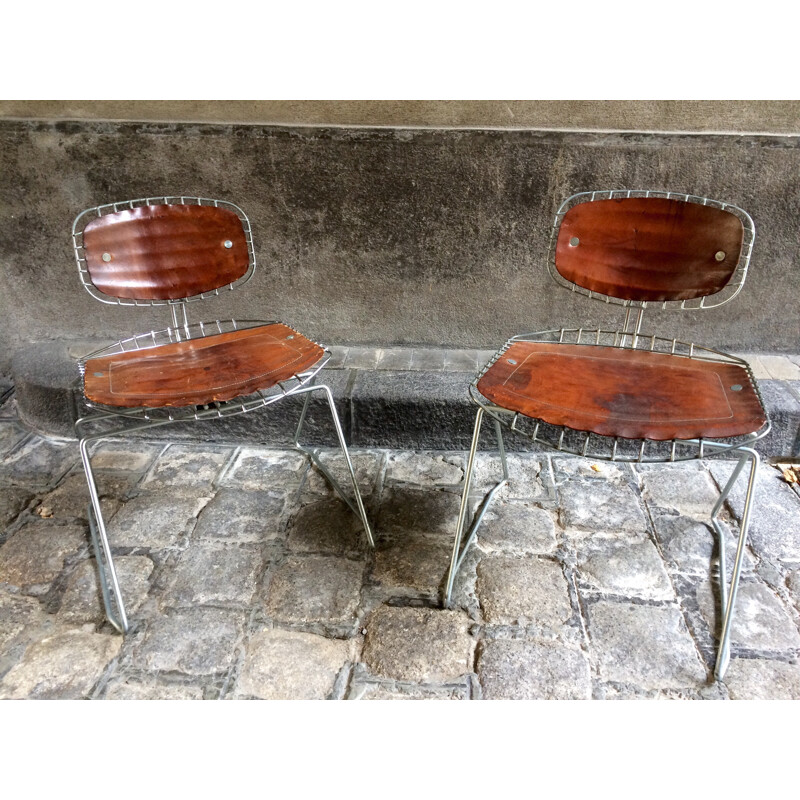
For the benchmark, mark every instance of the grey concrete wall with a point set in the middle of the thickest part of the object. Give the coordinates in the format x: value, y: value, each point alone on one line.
x: 706, y: 116
x: 429, y: 237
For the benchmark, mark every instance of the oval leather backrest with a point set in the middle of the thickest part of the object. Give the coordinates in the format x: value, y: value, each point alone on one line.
x: 649, y: 248
x: 165, y: 252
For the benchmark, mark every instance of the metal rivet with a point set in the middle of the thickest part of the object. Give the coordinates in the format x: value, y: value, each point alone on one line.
x: 290, y: 337
x: 98, y: 374
x: 511, y: 361
x: 227, y: 243
x: 720, y: 255
x: 574, y: 241
x: 737, y: 387
x: 106, y: 256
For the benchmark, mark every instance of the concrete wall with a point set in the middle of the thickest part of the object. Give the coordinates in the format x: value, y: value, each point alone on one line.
x: 384, y: 236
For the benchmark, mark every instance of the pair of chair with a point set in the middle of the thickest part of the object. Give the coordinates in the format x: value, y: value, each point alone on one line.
x: 617, y: 395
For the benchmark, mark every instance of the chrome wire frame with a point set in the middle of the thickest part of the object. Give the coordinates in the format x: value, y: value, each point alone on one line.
x: 607, y: 448
x: 103, y: 422
x: 90, y: 214
x: 727, y: 293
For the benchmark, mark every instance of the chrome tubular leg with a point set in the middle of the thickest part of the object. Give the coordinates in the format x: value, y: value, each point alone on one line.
x: 109, y: 584
x: 723, y: 654
x: 358, y: 509
x: 459, y: 551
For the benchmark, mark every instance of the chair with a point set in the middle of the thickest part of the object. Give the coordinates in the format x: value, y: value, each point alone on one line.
x: 623, y: 395
x: 172, y: 251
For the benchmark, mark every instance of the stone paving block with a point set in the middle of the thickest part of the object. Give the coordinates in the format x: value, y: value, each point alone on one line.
x: 82, y: 601
x: 39, y: 462
x: 17, y: 612
x: 686, y: 488
x: 63, y: 666
x: 195, y: 641
x: 600, y: 506
x: 687, y: 544
x: 315, y: 589
x: 759, y: 679
x: 429, y: 359
x: 512, y: 669
x: 125, y: 456
x: 648, y: 647
x: 11, y: 434
x: 417, y: 644
x: 212, y: 573
x: 361, y: 358
x: 12, y: 500
x: 186, y: 465
x: 290, y: 665
x: 760, y: 621
x: 260, y: 468
x: 628, y: 568
x: 126, y: 689
x: 793, y: 584
x: 411, y: 563
x: 35, y: 554
x: 395, y: 358
x: 366, y: 465
x: 155, y: 519
x: 243, y: 516
x: 775, y: 518
x: 70, y: 500
x: 575, y: 467
x: 425, y: 469
x: 780, y: 367
x: 517, y: 528
x: 461, y: 360
x: 328, y: 527
x: 523, y: 591
x: 393, y: 691
x: 527, y: 476
x: 425, y: 511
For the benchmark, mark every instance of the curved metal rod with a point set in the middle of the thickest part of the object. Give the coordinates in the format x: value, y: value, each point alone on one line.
x: 358, y: 510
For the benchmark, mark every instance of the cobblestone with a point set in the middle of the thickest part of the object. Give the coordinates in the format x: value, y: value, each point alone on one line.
x: 244, y: 576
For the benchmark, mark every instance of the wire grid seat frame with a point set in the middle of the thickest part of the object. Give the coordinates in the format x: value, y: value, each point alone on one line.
x: 106, y: 420
x: 562, y: 438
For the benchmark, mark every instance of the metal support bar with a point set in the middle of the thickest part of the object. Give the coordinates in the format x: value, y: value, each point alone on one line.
x: 357, y: 509
x: 459, y: 552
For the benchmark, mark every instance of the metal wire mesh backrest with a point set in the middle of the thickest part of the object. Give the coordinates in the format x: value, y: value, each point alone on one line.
x: 163, y: 250
x: 643, y: 247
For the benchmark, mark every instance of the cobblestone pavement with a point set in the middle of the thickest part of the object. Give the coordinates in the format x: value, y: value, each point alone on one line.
x: 245, y: 577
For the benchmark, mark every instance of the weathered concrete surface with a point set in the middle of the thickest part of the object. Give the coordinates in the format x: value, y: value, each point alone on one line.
x: 369, y: 236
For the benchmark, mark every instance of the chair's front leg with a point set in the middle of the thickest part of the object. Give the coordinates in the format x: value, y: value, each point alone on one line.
x: 359, y: 509
x: 109, y: 585
x: 728, y: 603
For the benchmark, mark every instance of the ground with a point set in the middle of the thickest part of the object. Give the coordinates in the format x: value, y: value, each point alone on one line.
x: 245, y: 577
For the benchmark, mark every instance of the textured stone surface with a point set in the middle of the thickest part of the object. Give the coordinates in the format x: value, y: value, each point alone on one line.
x: 517, y: 528
x: 523, y: 591
x: 525, y: 475
x: 424, y: 469
x: 71, y: 499
x: 64, y: 666
x: 411, y: 561
x: 262, y: 469
x: 242, y: 516
x: 522, y: 670
x: 289, y: 665
x: 82, y: 601
x: 155, y: 519
x: 775, y: 518
x: 315, y: 589
x: 328, y: 527
x: 648, y: 647
x: 366, y: 466
x: 685, y: 488
x: 11, y: 434
x: 188, y: 465
x: 215, y: 574
x: 687, y: 544
x: 756, y: 679
x: 12, y: 501
x: 425, y: 511
x: 196, y: 641
x: 600, y: 505
x: 123, y: 456
x: 132, y: 690
x: 417, y: 644
x: 629, y: 568
x: 17, y: 613
x: 36, y: 553
x: 760, y: 621
x: 39, y: 462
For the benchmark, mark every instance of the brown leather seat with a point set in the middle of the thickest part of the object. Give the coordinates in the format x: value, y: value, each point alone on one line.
x: 200, y: 371
x: 633, y: 394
